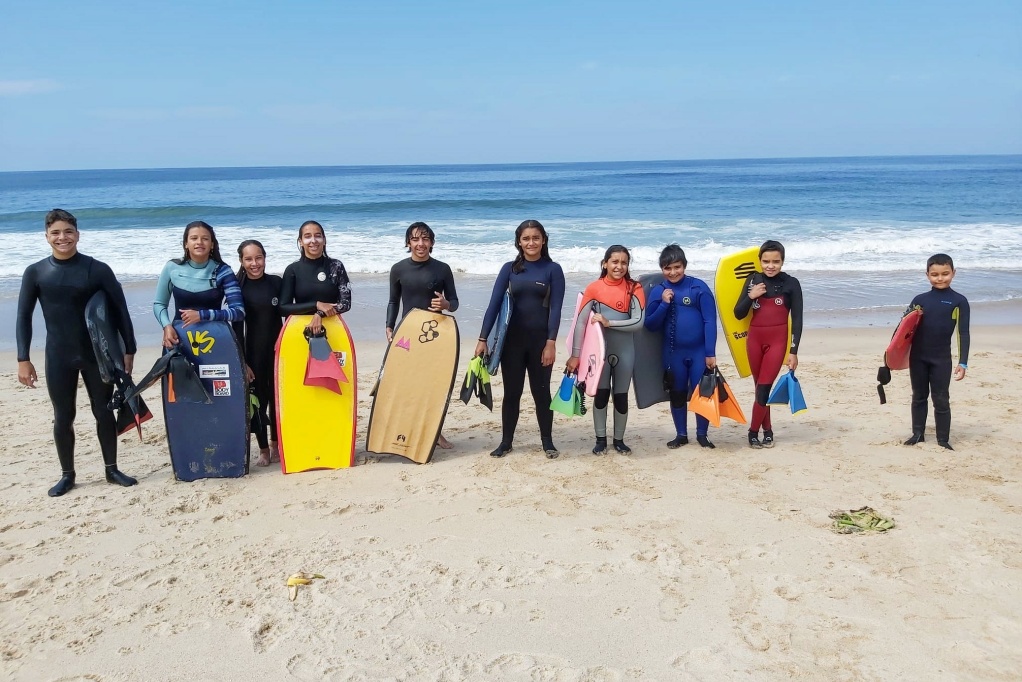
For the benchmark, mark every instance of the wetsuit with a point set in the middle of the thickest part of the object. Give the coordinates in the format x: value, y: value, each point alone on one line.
x: 307, y: 281
x: 621, y: 302
x: 63, y: 288
x: 537, y: 294
x: 198, y: 287
x: 930, y: 358
x: 689, y: 325
x: 414, y: 284
x: 257, y: 336
x: 767, y: 341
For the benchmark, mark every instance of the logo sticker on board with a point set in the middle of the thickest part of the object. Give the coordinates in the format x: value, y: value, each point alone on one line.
x: 429, y: 331
x: 221, y: 388
x: 403, y: 343
x: 200, y: 342
x: 214, y: 371
x: 743, y: 270
x: 342, y: 358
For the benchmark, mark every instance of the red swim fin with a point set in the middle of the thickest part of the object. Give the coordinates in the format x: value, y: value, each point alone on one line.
x: 323, y: 368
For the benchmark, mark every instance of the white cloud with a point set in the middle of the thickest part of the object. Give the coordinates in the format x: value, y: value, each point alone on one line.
x: 16, y: 88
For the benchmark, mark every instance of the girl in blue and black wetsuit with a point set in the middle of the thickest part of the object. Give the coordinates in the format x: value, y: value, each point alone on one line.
x: 257, y: 335
x: 199, y: 283
x: 536, y: 284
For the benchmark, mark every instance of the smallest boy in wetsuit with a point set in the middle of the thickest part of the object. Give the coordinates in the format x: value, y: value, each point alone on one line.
x: 929, y: 365
x: 683, y: 308
x: 62, y: 284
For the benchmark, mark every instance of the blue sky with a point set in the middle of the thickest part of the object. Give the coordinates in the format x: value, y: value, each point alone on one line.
x: 178, y: 84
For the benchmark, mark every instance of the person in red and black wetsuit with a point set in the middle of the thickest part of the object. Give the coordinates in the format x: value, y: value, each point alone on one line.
x: 772, y: 297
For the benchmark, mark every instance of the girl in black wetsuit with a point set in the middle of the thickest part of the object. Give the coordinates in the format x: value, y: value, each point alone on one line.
x: 314, y: 284
x: 257, y: 335
x: 536, y: 284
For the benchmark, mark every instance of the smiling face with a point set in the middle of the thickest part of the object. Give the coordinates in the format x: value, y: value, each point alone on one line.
x: 940, y: 276
x: 420, y: 245
x: 253, y: 260
x: 616, y: 265
x: 312, y: 240
x: 198, y: 244
x: 63, y: 239
x: 532, y: 243
x: 674, y: 271
x: 771, y: 261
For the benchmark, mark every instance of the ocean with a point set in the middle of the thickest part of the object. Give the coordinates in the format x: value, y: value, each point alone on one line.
x: 857, y: 230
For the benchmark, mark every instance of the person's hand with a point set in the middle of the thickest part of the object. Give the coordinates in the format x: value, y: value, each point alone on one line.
x: 249, y: 374
x: 327, y: 309
x: 190, y: 317
x: 757, y: 290
x: 667, y: 296
x: 439, y: 303
x: 26, y: 373
x: 960, y: 371
x: 598, y: 317
x: 480, y: 349
x: 792, y: 362
x: 571, y: 366
x: 169, y: 336
x: 129, y: 363
x: 316, y: 326
x: 549, y: 353
x: 711, y: 363
x: 390, y: 334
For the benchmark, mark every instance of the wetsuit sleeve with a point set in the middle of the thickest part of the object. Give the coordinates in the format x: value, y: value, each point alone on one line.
x: 450, y: 293
x: 162, y: 300
x: 708, y: 307
x: 963, y: 331
x: 496, y: 298
x: 744, y: 304
x: 108, y: 282
x: 228, y: 283
x: 556, y: 301
x: 394, y: 302
x: 636, y: 315
x: 288, y: 305
x: 656, y: 309
x: 239, y: 329
x: 26, y: 308
x: 578, y: 333
x: 796, y: 315
x: 339, y: 276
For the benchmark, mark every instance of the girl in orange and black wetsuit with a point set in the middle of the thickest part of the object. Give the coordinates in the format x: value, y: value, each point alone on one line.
x: 772, y: 296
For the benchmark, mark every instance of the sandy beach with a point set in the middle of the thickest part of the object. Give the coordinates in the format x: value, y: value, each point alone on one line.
x: 689, y: 564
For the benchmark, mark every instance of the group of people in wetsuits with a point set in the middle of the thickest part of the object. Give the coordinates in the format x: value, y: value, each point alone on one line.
x: 682, y: 307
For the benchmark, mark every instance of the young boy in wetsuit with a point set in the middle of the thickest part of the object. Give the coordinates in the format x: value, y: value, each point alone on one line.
x: 929, y: 366
x: 683, y: 308
x: 63, y: 283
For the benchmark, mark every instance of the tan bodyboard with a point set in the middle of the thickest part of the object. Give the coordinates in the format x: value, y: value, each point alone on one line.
x: 414, y: 388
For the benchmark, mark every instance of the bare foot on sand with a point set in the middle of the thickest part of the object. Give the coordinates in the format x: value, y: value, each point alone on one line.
x: 444, y: 443
x: 264, y: 458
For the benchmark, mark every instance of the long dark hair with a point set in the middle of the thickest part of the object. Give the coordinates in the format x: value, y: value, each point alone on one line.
x: 617, y: 248
x: 301, y: 251
x: 519, y: 263
x: 214, y: 253
x: 242, y: 273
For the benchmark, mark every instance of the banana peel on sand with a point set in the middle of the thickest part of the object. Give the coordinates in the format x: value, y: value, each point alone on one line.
x: 300, y: 578
x: 862, y: 520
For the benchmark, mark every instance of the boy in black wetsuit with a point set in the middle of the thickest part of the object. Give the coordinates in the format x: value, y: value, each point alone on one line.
x: 930, y: 358
x: 63, y: 285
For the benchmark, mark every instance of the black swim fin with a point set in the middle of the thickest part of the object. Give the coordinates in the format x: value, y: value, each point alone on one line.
x: 323, y: 368
x: 152, y: 376
x: 132, y: 414
x: 183, y: 383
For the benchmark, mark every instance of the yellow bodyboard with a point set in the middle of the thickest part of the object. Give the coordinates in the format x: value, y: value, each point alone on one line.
x: 316, y: 426
x: 414, y: 388
x: 732, y: 271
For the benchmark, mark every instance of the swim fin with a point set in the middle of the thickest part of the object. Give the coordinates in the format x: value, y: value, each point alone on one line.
x: 705, y: 398
x: 728, y: 405
x: 183, y: 382
x: 788, y: 391
x: 323, y: 368
x: 131, y: 416
x: 477, y: 382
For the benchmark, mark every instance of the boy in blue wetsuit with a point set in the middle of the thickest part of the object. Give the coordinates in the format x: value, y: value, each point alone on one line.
x: 930, y: 358
x: 683, y: 308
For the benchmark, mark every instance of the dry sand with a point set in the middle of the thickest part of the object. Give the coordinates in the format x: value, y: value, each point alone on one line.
x: 688, y: 564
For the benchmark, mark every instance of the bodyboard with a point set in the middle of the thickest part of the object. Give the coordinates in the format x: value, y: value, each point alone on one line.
x: 898, y: 350
x: 105, y: 336
x: 209, y: 440
x: 648, y: 379
x: 593, y: 354
x: 498, y: 334
x: 728, y: 282
x: 303, y: 411
x: 414, y: 387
